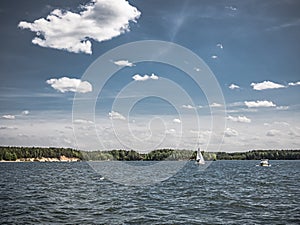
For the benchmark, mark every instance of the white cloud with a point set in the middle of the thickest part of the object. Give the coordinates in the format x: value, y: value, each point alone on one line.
x: 188, y: 107
x: 170, y: 131
x: 220, y: 45
x: 214, y: 56
x: 252, y: 104
x: 9, y: 117
x: 138, y: 77
x: 281, y: 123
x: 229, y: 132
x: 266, y: 85
x: 240, y: 119
x: 153, y: 77
x: 231, y: 8
x: 294, y: 83
x: 201, y: 133
x: 99, y: 20
x: 215, y: 105
x: 292, y: 23
x: 25, y: 112
x: 282, y: 107
x: 8, y: 128
x: 176, y: 120
x: 250, y: 135
x: 273, y: 132
x: 116, y: 116
x: 234, y: 86
x: 234, y: 104
x: 66, y: 84
x: 123, y: 63
x: 82, y: 121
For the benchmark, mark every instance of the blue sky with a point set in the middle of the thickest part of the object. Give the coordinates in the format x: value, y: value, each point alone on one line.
x: 251, y: 47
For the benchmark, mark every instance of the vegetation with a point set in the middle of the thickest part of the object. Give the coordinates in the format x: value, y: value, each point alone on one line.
x: 260, y: 154
x: 121, y: 155
x: 169, y: 154
x: 14, y: 153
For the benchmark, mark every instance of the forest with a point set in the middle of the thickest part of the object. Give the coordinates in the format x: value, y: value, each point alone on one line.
x: 13, y: 153
x: 260, y: 154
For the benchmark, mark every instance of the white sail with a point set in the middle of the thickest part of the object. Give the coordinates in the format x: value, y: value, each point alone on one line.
x: 199, y: 157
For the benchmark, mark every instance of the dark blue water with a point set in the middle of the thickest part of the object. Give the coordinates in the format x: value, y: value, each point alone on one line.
x: 227, y: 192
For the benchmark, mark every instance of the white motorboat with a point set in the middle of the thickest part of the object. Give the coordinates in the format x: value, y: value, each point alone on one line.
x: 264, y: 162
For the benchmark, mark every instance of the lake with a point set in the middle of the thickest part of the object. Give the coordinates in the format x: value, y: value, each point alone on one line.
x: 227, y: 192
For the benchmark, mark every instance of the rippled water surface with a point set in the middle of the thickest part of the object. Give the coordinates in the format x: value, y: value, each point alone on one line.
x: 227, y: 192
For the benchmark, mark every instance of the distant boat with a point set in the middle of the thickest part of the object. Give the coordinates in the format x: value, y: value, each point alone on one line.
x: 264, y: 162
x: 199, y: 158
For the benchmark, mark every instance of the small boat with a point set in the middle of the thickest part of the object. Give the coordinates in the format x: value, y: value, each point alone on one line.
x: 264, y: 162
x: 199, y: 157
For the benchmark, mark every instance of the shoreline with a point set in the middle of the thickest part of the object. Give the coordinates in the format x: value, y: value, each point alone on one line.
x: 52, y: 154
x: 44, y: 159
x: 79, y: 160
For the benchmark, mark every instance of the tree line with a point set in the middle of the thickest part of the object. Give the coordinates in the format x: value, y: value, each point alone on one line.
x: 14, y: 153
x: 171, y: 154
x: 260, y: 154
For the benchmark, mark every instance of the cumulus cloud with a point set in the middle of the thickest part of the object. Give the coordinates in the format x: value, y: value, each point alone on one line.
x: 282, y: 107
x: 123, y: 63
x: 294, y: 83
x: 177, y: 120
x: 234, y: 104
x: 240, y: 119
x: 215, y: 105
x: 273, y: 132
x: 8, y: 128
x: 233, y: 86
x: 229, y: 132
x: 82, y: 121
x: 201, y: 133
x: 255, y: 104
x: 138, y: 77
x: 231, y: 8
x: 9, y: 117
x: 188, y: 107
x: 282, y: 123
x: 25, y: 112
x: 66, y: 84
x: 220, y: 45
x: 99, y: 20
x: 116, y: 116
x: 170, y: 131
x: 266, y: 85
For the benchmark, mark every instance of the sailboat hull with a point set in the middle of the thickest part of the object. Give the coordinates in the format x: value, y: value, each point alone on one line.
x: 199, y: 158
x: 200, y: 162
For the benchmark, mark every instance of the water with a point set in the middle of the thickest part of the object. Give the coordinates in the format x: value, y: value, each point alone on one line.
x: 227, y: 192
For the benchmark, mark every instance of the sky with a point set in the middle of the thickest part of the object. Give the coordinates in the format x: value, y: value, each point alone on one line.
x: 99, y: 75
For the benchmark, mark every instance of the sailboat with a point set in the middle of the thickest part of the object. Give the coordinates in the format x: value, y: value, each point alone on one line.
x: 199, y: 158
